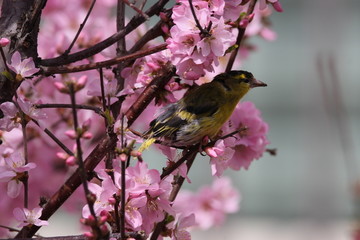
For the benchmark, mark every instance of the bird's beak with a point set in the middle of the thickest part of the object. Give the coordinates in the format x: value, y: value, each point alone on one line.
x: 257, y: 83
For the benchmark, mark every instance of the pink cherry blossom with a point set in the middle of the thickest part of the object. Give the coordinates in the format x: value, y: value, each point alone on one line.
x: 28, y: 217
x: 210, y: 204
x: 11, y: 117
x: 180, y: 231
x: 132, y: 215
x: 29, y: 109
x: 143, y: 177
x: 276, y: 4
x: 23, y: 68
x: 12, y: 171
x: 249, y: 144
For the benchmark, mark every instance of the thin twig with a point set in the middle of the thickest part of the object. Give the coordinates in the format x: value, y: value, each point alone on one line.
x: 168, y: 170
x: 203, y: 32
x: 133, y: 24
x: 122, y: 200
x: 120, y: 51
x: 190, y: 154
x: 240, y: 36
x: 106, y: 144
x: 82, y: 25
x: 4, y: 59
x: 26, y: 157
x: 107, y: 63
x: 80, y: 162
x: 55, y: 139
x: 136, y: 9
x: 65, y: 105
x: 151, y: 34
x: 102, y: 88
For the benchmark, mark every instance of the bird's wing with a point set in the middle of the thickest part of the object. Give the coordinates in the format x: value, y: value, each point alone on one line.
x: 204, y: 101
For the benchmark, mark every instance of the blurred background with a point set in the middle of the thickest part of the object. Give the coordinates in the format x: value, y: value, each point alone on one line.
x: 311, y: 103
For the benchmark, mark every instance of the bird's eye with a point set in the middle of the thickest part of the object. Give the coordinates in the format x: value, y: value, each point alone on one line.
x: 246, y: 80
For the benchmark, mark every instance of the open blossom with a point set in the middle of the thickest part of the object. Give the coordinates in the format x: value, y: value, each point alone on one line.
x: 12, y: 173
x: 194, y: 49
x: 249, y: 144
x: 180, y: 232
x: 28, y: 217
x: 22, y: 68
x: 210, y: 204
x: 11, y: 117
x: 276, y: 4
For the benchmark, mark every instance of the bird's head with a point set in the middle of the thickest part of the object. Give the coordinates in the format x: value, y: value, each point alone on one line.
x: 238, y: 81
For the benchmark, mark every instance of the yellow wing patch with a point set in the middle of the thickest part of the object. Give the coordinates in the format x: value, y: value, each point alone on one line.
x: 184, y: 115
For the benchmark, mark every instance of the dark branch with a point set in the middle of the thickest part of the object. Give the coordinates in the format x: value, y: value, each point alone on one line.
x: 133, y: 24
x: 107, y: 63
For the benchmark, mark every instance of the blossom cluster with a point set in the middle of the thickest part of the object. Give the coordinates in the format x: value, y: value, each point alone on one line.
x: 146, y: 201
x: 248, y: 143
x: 198, y: 39
x: 203, y: 32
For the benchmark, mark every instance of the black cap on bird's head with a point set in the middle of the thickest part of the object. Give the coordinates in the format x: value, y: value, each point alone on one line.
x: 244, y: 78
x: 247, y: 77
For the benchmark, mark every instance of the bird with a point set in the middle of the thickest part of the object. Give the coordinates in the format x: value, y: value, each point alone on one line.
x: 201, y: 112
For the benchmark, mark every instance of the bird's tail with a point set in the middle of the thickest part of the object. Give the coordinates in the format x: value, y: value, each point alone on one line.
x: 145, y: 145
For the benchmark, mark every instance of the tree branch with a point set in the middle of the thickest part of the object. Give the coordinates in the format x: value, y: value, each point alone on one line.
x: 133, y: 24
x: 240, y: 36
x: 107, y: 63
x: 106, y: 144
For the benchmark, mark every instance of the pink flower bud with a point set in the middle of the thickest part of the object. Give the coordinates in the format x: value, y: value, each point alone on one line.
x: 104, y: 213
x: 87, y: 124
x: 135, y: 153
x: 71, y: 134
x: 61, y: 87
x: 163, y: 17
x: 62, y: 155
x: 165, y: 28
x: 251, y: 17
x: 71, y: 161
x: 277, y: 6
x: 244, y: 22
x: 87, y: 135
x: 88, y: 234
x: 123, y: 157
x: 103, y: 219
x: 104, y: 229
x: 4, y: 42
x: 91, y: 219
x: 112, y: 200
x: 211, y: 152
x: 80, y: 83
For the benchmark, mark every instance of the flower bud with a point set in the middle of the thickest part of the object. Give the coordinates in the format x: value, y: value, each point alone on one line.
x: 123, y: 157
x: 62, y: 155
x: 71, y: 161
x: 87, y: 135
x: 71, y: 134
x: 89, y: 234
x: 61, y: 87
x: 277, y: 6
x: 4, y: 42
x: 112, y: 200
x: 211, y: 152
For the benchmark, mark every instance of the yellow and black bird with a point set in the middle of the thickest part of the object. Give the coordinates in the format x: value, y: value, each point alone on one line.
x: 201, y: 112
